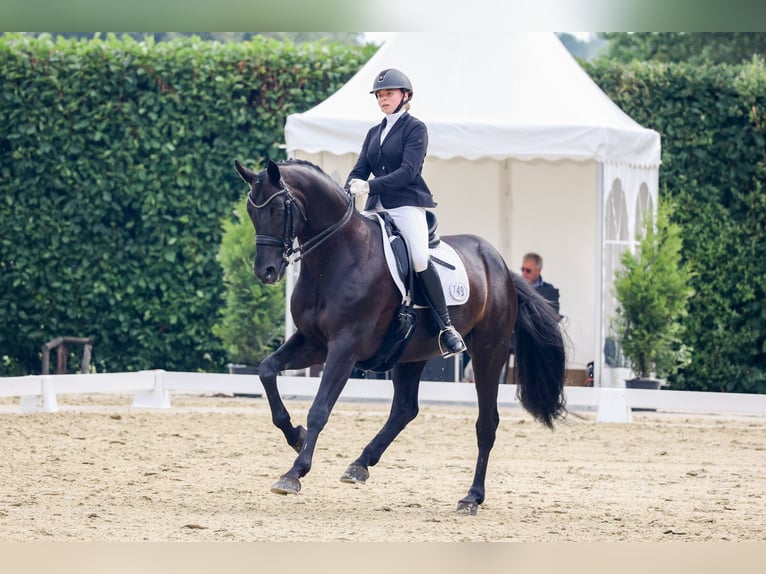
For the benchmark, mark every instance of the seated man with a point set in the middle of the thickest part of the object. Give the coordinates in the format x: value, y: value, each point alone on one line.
x: 531, y: 268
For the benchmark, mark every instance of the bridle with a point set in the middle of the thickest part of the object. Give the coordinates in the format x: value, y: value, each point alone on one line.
x: 291, y: 254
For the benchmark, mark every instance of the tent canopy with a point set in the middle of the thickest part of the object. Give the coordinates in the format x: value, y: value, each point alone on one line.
x: 524, y: 150
x: 484, y: 95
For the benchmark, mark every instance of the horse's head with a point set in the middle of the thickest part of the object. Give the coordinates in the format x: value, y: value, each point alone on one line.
x: 275, y: 214
x: 282, y: 213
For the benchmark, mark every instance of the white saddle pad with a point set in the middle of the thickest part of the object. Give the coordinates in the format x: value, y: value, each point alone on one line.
x: 454, y: 281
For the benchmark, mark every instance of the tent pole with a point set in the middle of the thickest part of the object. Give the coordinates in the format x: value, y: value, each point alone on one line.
x: 598, y: 331
x: 506, y: 211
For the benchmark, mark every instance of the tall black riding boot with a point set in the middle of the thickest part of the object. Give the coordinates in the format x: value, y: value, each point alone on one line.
x: 450, y: 341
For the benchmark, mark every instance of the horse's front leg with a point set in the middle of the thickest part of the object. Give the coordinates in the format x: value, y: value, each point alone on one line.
x: 296, y: 353
x: 404, y: 408
x: 337, y: 370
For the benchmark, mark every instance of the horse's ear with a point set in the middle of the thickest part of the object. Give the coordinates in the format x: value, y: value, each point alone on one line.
x: 274, y: 176
x: 247, y: 175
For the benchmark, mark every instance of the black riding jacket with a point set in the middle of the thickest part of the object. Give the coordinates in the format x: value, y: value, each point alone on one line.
x: 397, y: 164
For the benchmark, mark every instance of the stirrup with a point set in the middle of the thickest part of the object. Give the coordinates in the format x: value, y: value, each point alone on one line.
x: 447, y: 353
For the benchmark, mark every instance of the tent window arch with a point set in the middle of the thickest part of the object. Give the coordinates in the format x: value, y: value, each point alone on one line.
x: 644, y: 209
x: 616, y: 223
x: 616, y: 240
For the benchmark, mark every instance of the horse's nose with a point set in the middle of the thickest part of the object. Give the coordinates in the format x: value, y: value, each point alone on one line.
x: 267, y: 275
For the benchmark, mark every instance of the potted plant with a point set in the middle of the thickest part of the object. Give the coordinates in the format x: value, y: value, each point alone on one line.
x: 652, y: 291
x: 252, y: 322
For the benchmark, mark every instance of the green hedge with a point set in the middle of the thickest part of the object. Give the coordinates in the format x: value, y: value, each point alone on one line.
x: 116, y: 174
x: 712, y: 120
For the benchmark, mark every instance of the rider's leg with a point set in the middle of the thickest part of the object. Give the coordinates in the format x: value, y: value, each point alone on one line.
x: 450, y: 341
x: 411, y: 221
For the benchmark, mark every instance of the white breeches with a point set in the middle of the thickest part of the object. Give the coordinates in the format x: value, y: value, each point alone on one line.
x: 411, y: 221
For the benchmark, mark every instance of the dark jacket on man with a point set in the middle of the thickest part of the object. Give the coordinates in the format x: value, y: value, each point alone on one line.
x: 548, y: 292
x: 397, y: 165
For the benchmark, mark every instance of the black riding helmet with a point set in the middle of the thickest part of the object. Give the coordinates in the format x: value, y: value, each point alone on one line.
x: 392, y: 79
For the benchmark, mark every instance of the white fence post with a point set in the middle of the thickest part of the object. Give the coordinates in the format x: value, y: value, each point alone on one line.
x: 156, y: 398
x: 613, y: 406
x: 45, y: 402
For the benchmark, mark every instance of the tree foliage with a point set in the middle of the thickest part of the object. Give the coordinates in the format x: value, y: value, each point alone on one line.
x: 354, y: 38
x: 582, y: 49
x: 684, y: 47
x: 116, y: 172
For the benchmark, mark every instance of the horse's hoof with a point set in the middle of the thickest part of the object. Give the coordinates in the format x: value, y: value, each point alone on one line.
x: 286, y: 485
x: 301, y: 439
x: 355, y: 474
x: 468, y: 507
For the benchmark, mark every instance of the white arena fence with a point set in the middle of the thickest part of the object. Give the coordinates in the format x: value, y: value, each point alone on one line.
x: 153, y: 389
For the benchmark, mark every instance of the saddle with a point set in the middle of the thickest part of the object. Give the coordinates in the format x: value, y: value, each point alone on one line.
x: 402, y: 254
x: 451, y: 272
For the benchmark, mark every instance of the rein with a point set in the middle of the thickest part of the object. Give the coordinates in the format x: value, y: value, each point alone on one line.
x: 288, y: 236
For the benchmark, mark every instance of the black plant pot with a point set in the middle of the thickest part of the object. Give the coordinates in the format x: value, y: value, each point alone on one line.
x: 639, y: 383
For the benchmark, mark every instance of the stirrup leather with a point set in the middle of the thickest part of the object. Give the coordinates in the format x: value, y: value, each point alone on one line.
x: 447, y: 353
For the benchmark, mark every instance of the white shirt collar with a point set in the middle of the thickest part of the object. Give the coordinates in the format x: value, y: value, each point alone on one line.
x: 391, y: 119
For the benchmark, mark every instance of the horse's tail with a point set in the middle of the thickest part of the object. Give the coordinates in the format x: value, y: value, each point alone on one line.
x: 540, y: 356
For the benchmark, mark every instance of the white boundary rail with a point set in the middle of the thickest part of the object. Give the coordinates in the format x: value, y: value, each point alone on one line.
x: 153, y: 389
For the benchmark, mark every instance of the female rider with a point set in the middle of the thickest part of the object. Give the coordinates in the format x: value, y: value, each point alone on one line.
x: 394, y: 152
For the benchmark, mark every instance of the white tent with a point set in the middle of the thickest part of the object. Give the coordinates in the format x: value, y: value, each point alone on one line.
x: 524, y: 150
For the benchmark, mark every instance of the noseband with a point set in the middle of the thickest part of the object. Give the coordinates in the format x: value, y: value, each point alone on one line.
x: 288, y: 237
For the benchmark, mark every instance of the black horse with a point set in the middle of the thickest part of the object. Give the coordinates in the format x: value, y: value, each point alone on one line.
x: 344, y: 300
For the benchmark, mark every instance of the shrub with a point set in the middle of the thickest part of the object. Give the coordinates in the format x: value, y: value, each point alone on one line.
x: 652, y: 290
x: 252, y: 324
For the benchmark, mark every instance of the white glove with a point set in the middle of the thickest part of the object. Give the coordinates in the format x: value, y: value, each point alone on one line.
x: 358, y: 187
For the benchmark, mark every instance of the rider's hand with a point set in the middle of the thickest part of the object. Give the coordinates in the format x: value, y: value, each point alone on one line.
x: 358, y: 187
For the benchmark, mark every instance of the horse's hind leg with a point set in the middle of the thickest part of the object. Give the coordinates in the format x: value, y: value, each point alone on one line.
x: 488, y: 364
x: 404, y: 408
x: 295, y: 353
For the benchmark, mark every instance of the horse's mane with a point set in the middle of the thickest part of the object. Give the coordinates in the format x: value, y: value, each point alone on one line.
x: 312, y: 166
